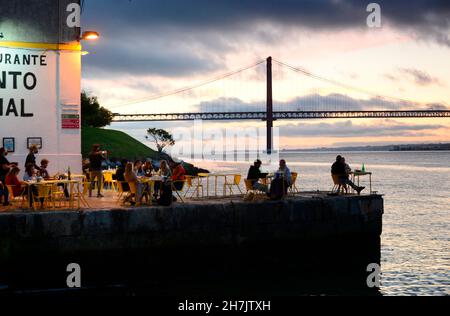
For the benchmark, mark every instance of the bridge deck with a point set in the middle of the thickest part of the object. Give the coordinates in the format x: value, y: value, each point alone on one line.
x: 288, y: 115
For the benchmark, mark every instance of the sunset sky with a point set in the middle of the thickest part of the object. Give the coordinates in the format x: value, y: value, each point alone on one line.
x: 150, y: 47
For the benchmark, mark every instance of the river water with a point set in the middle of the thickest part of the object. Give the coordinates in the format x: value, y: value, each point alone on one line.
x: 416, y: 186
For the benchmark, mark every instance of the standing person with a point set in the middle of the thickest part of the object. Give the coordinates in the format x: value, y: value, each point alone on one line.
x: 31, y: 158
x: 96, y: 157
x: 338, y: 169
x: 5, y: 166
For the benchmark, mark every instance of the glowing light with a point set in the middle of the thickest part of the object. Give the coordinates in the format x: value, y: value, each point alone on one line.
x: 90, y: 36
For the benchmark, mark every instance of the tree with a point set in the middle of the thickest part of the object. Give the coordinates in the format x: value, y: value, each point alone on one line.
x: 161, y: 138
x: 92, y: 114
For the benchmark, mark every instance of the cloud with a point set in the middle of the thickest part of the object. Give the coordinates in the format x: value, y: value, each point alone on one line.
x: 421, y: 78
x: 428, y: 18
x: 148, y: 58
x: 348, y: 129
x: 181, y: 38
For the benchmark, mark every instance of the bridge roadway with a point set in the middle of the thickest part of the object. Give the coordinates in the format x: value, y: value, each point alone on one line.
x: 288, y: 115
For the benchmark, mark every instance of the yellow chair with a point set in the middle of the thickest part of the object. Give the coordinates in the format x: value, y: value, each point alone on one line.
x: 80, y: 195
x: 177, y: 191
x: 44, y: 196
x: 108, y: 180
x: 194, y: 187
x: 122, y: 193
x: 15, y: 199
x: 293, y: 188
x: 338, y: 187
x: 58, y: 195
x: 235, y: 183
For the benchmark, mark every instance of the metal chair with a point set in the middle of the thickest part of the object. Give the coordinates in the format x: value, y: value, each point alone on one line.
x: 14, y: 199
x: 44, y: 196
x: 194, y: 187
x: 293, y: 187
x: 338, y: 187
x: 235, y: 183
x: 178, y: 190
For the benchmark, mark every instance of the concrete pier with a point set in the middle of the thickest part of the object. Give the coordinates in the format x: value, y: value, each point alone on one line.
x: 308, y: 232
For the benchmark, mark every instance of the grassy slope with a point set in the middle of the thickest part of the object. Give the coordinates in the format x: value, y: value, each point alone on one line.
x: 118, y: 144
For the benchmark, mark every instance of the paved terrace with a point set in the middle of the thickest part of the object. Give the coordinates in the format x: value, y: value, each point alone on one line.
x: 111, y: 201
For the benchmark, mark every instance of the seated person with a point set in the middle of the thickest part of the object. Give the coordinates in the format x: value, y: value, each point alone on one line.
x: 338, y: 169
x: 281, y: 183
x: 254, y: 175
x: 138, y: 168
x: 133, y: 180
x: 148, y: 168
x: 5, y: 194
x: 86, y: 166
x: 18, y: 188
x: 43, y: 172
x: 30, y: 173
x: 166, y: 174
x: 120, y: 176
x: 178, y: 176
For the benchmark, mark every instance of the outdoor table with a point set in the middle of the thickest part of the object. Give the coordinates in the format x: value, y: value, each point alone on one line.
x: 216, y: 177
x: 356, y: 175
x: 150, y: 182
x: 74, y: 187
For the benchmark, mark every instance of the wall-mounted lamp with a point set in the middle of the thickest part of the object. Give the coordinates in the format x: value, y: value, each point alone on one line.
x: 89, y: 36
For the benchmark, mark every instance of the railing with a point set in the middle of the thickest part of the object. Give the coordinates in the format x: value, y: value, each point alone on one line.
x: 277, y: 115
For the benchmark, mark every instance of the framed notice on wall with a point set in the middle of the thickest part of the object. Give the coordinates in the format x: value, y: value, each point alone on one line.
x: 34, y: 141
x: 9, y: 143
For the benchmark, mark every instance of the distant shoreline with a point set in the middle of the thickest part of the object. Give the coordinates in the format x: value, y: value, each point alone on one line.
x: 386, y: 148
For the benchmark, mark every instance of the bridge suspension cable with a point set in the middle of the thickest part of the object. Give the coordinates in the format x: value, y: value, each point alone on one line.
x: 337, y: 83
x: 188, y: 88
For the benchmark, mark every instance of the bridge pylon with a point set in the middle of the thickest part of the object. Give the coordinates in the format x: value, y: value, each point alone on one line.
x: 269, y: 119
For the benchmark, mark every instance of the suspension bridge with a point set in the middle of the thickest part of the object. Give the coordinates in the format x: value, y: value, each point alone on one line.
x: 313, y: 102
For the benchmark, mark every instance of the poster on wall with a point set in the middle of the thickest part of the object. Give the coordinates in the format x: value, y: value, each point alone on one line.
x: 34, y: 141
x: 9, y: 144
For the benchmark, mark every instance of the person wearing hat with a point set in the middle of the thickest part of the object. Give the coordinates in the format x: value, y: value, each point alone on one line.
x: 255, y: 174
x: 31, y: 158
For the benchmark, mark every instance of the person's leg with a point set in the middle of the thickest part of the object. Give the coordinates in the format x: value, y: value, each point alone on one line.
x: 139, y: 190
x: 157, y: 187
x: 99, y: 183
x: 6, y: 196
x: 260, y: 187
x: 352, y: 185
x: 92, y: 182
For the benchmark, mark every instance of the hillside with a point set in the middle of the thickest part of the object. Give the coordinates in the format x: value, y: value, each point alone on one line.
x: 118, y: 144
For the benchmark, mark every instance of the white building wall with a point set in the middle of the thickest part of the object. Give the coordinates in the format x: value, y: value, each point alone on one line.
x: 57, y: 89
